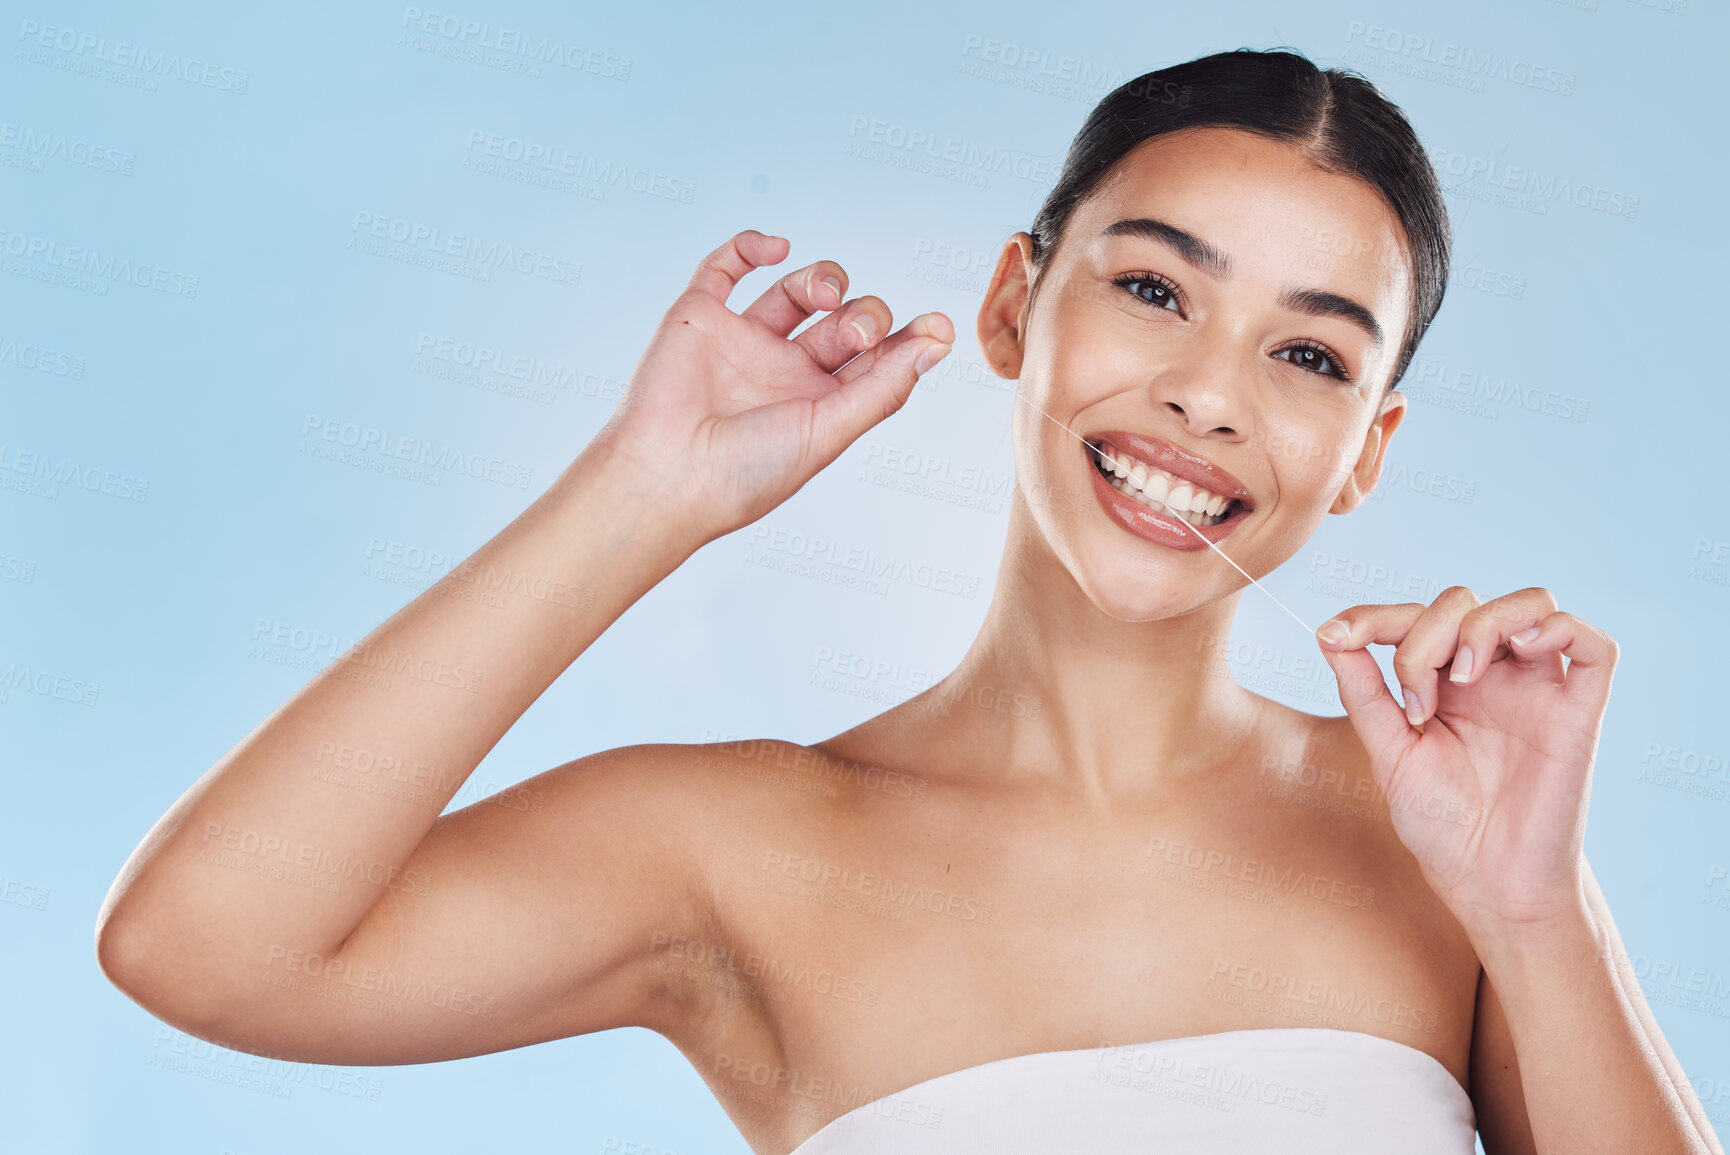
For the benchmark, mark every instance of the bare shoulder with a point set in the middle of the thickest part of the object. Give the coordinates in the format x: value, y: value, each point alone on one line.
x: 1321, y: 789
x: 1317, y: 761
x: 1328, y: 777
x: 688, y: 806
x: 808, y: 771
x: 711, y: 821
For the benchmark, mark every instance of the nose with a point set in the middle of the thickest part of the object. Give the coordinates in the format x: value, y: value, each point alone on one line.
x: 1206, y: 391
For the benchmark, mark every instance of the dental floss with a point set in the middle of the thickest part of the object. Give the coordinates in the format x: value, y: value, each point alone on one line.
x: 1179, y: 520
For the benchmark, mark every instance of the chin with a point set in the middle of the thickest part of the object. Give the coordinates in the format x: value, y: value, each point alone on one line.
x: 1129, y: 589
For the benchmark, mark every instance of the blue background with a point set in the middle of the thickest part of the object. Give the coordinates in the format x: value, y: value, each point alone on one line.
x: 1572, y: 388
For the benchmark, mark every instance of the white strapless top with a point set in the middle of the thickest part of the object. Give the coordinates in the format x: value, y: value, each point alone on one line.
x: 1293, y: 1090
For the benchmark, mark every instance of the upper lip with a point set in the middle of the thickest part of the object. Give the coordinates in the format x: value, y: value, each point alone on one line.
x: 1177, y: 462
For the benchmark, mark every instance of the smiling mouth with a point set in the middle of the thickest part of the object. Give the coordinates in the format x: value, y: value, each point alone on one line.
x: 1160, y: 491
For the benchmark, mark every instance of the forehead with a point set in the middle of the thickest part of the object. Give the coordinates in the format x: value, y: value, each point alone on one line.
x: 1272, y: 211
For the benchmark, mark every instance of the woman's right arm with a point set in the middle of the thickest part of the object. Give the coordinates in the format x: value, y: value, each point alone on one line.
x: 305, y: 899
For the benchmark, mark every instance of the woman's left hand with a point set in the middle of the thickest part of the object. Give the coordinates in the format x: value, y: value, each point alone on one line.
x: 1487, y: 782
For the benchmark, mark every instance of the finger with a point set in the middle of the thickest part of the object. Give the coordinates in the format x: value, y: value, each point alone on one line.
x: 1382, y: 624
x: 1379, y: 720
x: 722, y: 269
x: 1485, y: 631
x: 847, y: 332
x: 932, y: 329
x: 1591, y: 655
x: 877, y: 383
x: 1428, y: 646
x: 784, y: 306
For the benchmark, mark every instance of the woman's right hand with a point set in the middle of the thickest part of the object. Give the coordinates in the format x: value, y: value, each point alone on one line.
x: 727, y: 416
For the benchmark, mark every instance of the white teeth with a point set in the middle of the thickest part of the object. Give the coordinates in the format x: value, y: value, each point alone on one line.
x: 1194, y: 517
x: 1163, y: 492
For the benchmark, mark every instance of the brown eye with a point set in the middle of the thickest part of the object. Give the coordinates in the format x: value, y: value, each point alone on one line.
x: 1315, y: 358
x: 1150, y: 289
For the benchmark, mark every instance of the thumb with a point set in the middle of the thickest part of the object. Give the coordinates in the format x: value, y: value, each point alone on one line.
x: 1379, y: 720
x: 877, y: 383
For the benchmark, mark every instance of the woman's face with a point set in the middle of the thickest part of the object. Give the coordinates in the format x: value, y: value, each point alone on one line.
x: 1224, y: 311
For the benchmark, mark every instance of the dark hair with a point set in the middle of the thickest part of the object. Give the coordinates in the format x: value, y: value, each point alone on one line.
x: 1340, y: 121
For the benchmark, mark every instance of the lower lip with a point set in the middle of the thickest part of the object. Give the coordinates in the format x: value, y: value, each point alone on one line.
x: 1160, y: 528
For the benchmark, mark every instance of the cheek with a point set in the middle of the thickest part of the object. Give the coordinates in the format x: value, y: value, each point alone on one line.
x: 1306, y: 457
x: 1093, y: 360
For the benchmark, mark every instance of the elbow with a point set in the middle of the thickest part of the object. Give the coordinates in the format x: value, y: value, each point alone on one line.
x: 144, y: 968
x: 127, y: 959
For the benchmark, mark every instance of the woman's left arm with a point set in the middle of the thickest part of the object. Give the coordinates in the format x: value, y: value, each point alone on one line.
x: 1567, y: 1011
x: 1487, y: 773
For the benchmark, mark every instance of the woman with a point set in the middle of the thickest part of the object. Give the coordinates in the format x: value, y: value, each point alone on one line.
x: 1126, y: 907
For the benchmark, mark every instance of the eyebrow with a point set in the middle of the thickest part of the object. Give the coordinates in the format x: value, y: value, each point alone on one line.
x: 1189, y: 246
x: 1321, y: 303
x: 1314, y: 302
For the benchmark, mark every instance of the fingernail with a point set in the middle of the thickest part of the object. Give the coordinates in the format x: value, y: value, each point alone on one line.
x: 930, y: 356
x: 1462, y: 665
x: 1414, y: 708
x: 1334, y: 632
x: 1525, y: 635
x: 834, y: 285
x: 865, y: 327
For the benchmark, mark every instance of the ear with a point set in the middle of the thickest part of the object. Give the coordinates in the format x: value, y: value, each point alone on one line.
x: 1363, y: 476
x: 1003, y: 314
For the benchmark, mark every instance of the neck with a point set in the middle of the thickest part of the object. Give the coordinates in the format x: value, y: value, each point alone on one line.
x: 1107, y: 708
